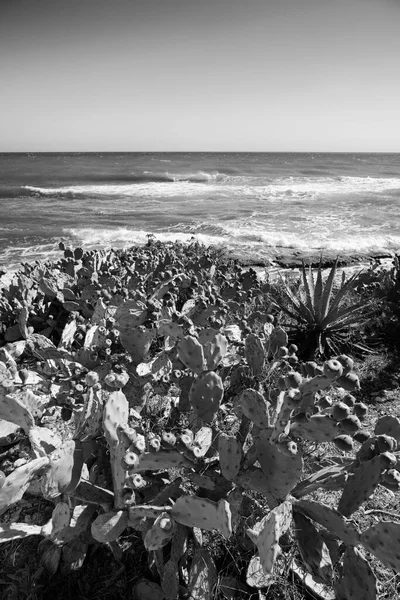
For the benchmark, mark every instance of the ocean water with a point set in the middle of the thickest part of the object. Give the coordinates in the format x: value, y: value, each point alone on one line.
x: 256, y: 204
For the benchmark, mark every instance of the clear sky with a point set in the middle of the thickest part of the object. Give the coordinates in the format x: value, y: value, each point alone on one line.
x: 207, y: 75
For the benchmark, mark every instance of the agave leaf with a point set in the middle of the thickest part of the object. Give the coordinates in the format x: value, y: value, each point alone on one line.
x: 318, y: 291
x: 344, y: 289
x: 301, y: 308
x: 343, y: 318
x: 309, y: 297
x: 311, y: 285
x: 326, y: 297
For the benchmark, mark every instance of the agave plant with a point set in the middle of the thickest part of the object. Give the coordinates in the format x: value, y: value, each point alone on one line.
x: 317, y: 308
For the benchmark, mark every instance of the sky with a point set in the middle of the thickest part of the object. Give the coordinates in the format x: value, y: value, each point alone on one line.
x: 200, y: 75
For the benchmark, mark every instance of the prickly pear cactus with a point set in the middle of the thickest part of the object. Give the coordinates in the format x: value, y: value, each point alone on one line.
x: 204, y: 513
x: 206, y: 394
x: 255, y: 407
x: 116, y: 412
x: 267, y: 532
x: 215, y: 346
x: 382, y: 540
x: 64, y: 474
x: 358, y: 581
x: 254, y: 353
x: 190, y: 352
x: 230, y: 456
x: 16, y: 484
x: 282, y: 470
x: 313, y: 550
x: 360, y: 486
x: 108, y: 527
x: 331, y: 519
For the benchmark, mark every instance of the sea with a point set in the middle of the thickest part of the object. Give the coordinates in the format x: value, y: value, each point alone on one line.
x: 255, y: 205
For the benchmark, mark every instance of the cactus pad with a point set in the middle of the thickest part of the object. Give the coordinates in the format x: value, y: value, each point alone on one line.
x: 319, y: 428
x: 215, y: 346
x: 108, y: 527
x: 255, y: 407
x: 313, y: 550
x: 254, y: 353
x: 358, y: 581
x: 283, y: 471
x: 65, y: 470
x: 164, y: 459
x: 360, y: 485
x: 267, y: 532
x: 383, y: 541
x: 160, y: 533
x: 390, y: 426
x: 203, y: 513
x: 190, y: 352
x: 206, y: 394
x: 230, y: 456
x: 17, y: 482
x: 331, y: 519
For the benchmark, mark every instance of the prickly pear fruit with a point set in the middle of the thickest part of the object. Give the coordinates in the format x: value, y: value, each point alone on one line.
x: 385, y: 443
x: 331, y: 519
x: 392, y: 478
x: 344, y: 443
x: 313, y: 550
x: 190, y: 352
x: 350, y: 424
x: 287, y: 447
x: 206, y: 394
x: 160, y: 533
x: 349, y: 382
x: 215, y: 346
x: 388, y: 460
x: 359, y: 486
x: 293, y: 379
x: 340, y: 411
x: 203, y: 513
x: 230, y: 456
x: 361, y: 436
x: 346, y: 362
x: 360, y: 410
x: 92, y: 378
x: 358, y: 581
x: 349, y: 400
x: 332, y: 369
x: 382, y: 540
x: 255, y: 407
x: 388, y: 425
x: 254, y: 354
x: 17, y: 482
x: 267, y: 532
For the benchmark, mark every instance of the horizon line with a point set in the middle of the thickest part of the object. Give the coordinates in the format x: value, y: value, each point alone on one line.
x: 200, y: 152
